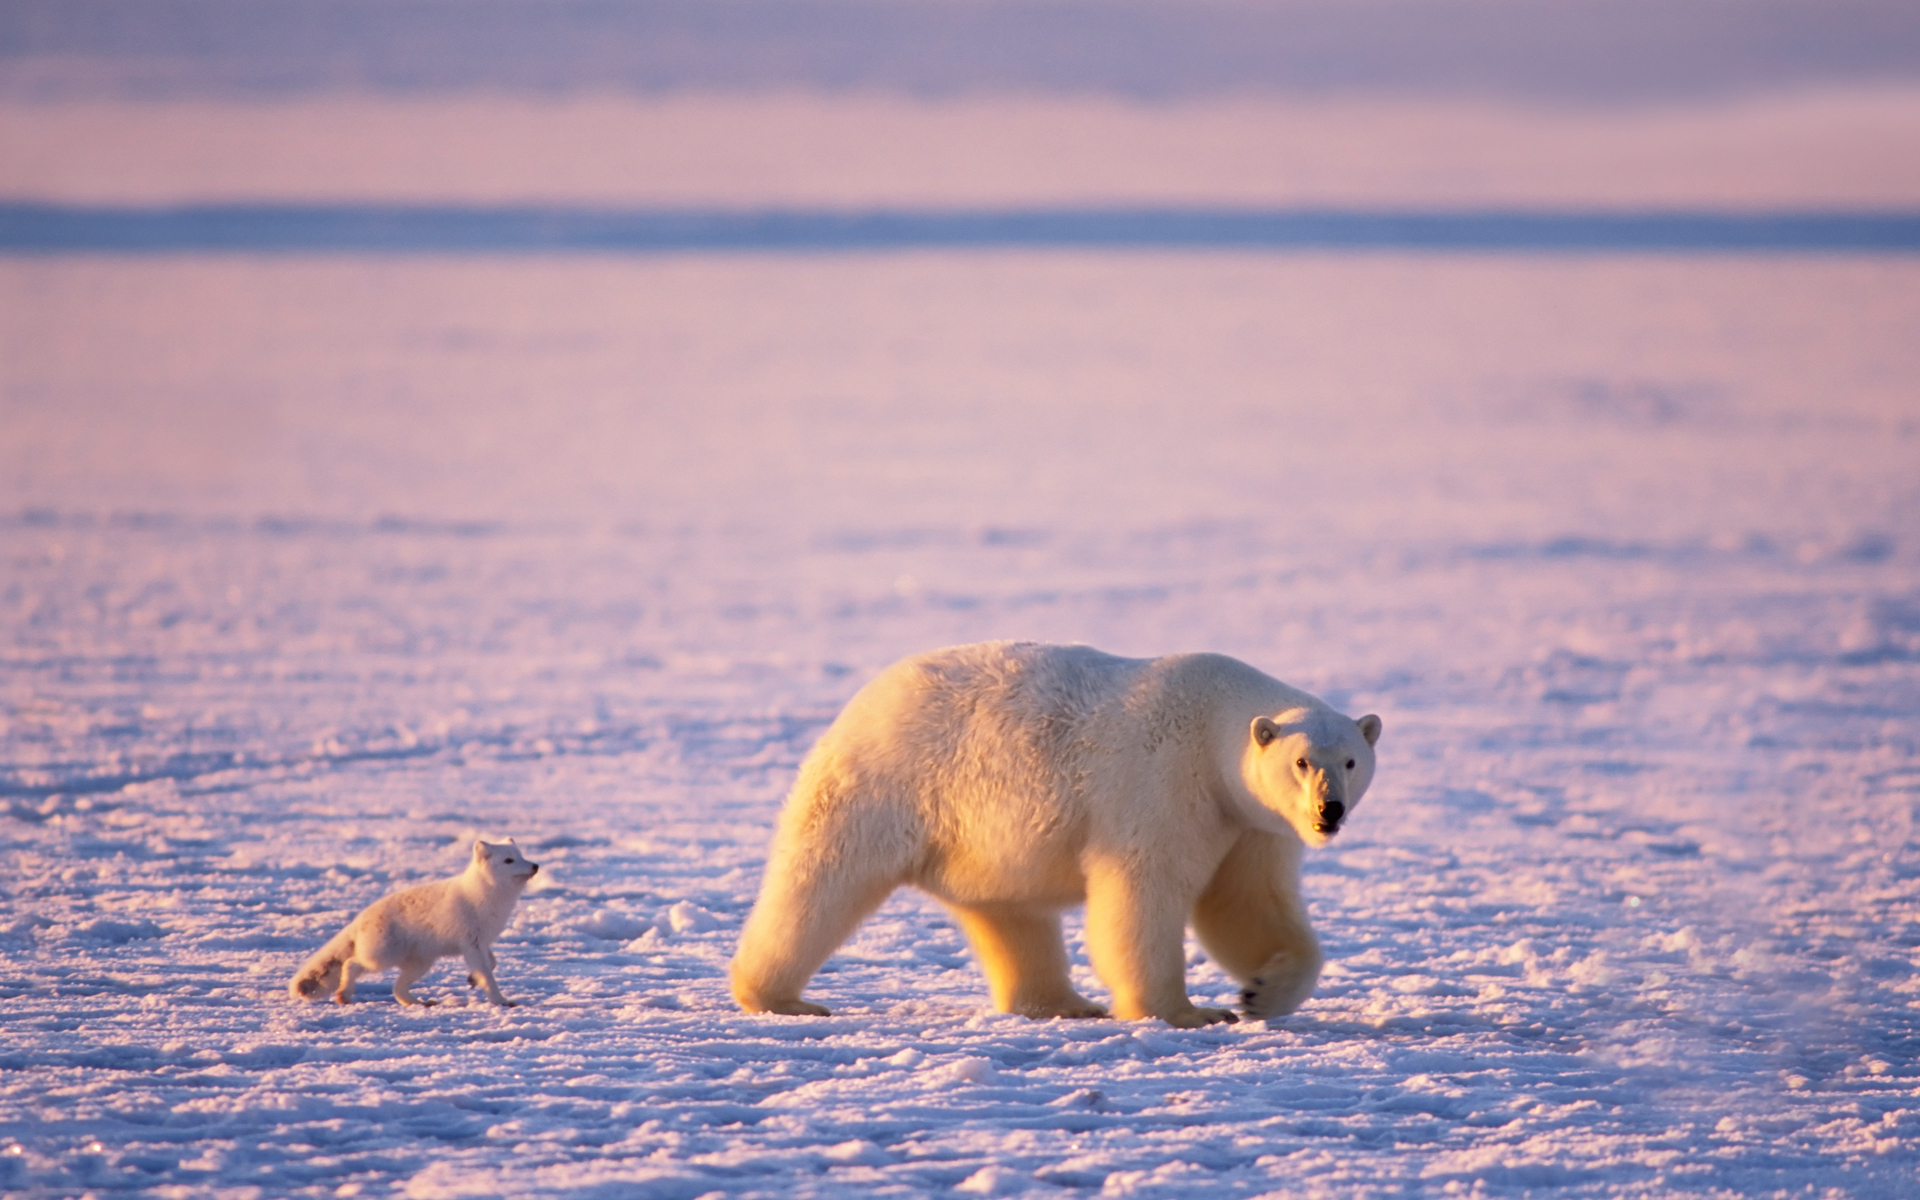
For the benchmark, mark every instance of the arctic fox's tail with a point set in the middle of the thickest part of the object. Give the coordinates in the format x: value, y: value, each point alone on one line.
x: 321, y: 975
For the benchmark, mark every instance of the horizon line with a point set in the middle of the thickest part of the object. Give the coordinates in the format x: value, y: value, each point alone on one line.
x: 36, y: 229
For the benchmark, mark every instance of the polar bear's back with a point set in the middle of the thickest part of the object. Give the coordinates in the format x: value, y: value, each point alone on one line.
x: 997, y: 763
x: 945, y: 761
x: 1001, y: 715
x: 1028, y: 717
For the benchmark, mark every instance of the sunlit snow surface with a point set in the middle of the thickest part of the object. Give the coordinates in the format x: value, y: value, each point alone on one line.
x: 312, y: 570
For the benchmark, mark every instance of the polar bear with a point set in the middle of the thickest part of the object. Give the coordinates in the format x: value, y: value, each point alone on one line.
x: 1013, y: 780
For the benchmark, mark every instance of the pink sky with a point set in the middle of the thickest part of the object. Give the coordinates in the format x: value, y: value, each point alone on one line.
x: 1837, y: 148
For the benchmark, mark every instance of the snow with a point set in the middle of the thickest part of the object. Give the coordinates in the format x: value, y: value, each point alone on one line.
x: 314, y: 568
x: 332, y: 565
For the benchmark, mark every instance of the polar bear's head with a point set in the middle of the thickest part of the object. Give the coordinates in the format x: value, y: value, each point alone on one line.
x: 1310, y: 766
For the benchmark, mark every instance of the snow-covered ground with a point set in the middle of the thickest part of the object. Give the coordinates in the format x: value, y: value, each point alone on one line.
x: 314, y: 569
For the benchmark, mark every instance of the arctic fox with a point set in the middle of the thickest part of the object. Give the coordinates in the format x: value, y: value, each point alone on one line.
x: 414, y: 928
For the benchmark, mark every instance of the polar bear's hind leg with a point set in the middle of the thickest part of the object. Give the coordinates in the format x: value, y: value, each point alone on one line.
x: 822, y: 880
x: 1025, y: 961
x: 795, y: 927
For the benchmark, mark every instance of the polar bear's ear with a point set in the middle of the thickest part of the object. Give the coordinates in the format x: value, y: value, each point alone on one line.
x: 1264, y: 730
x: 1369, y: 728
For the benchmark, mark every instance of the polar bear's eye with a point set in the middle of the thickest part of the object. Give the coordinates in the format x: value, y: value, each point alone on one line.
x: 1349, y: 764
x: 1301, y: 763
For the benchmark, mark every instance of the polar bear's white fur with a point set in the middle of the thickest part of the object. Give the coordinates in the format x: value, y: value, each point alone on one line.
x: 1013, y: 780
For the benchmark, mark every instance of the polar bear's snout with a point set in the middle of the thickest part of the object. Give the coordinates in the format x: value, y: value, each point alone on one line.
x: 1328, y: 819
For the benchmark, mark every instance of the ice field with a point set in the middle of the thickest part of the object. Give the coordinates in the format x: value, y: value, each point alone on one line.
x: 331, y: 565
x: 316, y: 566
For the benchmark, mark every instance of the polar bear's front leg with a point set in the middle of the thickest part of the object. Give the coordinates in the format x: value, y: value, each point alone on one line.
x: 1136, y: 936
x: 1025, y: 961
x: 1281, y: 985
x: 1253, y: 921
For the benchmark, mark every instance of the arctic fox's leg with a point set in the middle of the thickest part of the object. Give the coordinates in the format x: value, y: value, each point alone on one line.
x: 321, y: 974
x: 410, y: 972
x: 1025, y: 961
x: 480, y: 962
x: 350, y: 971
x: 493, y: 964
x: 1253, y: 921
x: 1137, y: 941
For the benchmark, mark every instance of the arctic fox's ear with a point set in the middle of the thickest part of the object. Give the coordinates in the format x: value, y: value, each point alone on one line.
x: 1264, y: 730
x: 479, y: 849
x: 1369, y: 728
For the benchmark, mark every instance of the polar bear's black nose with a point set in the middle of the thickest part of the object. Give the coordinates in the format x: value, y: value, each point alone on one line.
x: 1331, y: 812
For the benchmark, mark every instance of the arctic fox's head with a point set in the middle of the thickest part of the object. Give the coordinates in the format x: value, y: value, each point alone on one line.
x: 1310, y: 766
x: 502, y: 863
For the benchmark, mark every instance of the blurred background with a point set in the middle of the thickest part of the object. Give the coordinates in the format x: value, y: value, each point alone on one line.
x: 963, y: 102
x: 605, y: 388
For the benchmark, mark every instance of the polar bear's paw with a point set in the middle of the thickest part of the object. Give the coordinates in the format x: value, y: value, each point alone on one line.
x: 798, y: 1008
x: 1281, y: 986
x: 1194, y: 1018
x: 1262, y: 999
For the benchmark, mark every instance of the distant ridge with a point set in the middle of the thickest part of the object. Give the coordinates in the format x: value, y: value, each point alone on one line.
x: 1565, y: 50
x: 37, y: 229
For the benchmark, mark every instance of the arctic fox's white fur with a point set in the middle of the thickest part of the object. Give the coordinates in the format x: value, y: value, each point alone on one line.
x: 1013, y: 780
x: 414, y: 928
